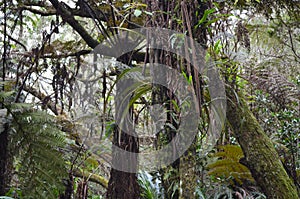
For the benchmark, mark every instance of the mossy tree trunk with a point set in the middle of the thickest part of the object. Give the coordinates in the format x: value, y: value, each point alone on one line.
x: 187, y: 172
x: 260, y: 155
x: 5, y: 155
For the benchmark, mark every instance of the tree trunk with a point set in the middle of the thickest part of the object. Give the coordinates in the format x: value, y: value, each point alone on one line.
x: 5, y: 156
x: 3, y: 161
x: 123, y: 184
x: 260, y: 155
x: 188, y: 173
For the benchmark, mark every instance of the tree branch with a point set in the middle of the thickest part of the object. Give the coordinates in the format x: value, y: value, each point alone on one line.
x: 65, y: 12
x: 41, y: 96
x: 50, y: 12
x: 17, y: 42
x: 92, y: 177
x: 73, y: 54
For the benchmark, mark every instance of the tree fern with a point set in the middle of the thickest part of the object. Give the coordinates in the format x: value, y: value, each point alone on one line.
x: 277, y: 86
x: 36, y: 142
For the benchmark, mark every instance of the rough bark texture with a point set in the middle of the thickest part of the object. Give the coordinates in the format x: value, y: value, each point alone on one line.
x: 3, y: 161
x: 260, y: 155
x: 123, y: 184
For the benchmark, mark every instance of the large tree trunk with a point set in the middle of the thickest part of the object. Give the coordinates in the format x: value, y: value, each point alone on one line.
x: 260, y: 155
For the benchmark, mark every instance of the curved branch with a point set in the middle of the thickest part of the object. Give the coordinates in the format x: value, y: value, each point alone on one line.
x: 92, y: 177
x: 41, y: 96
x: 17, y: 42
x: 65, y: 12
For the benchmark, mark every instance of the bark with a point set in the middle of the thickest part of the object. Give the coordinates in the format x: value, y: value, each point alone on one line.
x: 123, y: 184
x: 188, y: 174
x: 68, y: 17
x: 82, y: 190
x: 3, y: 162
x: 260, y: 155
x: 69, y: 188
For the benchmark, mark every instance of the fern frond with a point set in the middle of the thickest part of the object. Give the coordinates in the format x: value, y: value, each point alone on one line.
x: 37, y: 143
x: 277, y: 86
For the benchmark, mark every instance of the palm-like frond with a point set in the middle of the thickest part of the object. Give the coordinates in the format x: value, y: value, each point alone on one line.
x: 36, y: 143
x: 148, y: 189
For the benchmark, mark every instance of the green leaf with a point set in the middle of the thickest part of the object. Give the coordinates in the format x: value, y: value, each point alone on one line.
x: 189, y: 78
x: 139, y: 92
x: 204, y: 17
x: 175, y: 105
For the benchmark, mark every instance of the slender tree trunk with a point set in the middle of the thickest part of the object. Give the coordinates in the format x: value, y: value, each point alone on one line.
x: 123, y: 184
x: 181, y: 174
x: 163, y: 96
x: 260, y: 155
x: 3, y: 161
x: 68, y: 188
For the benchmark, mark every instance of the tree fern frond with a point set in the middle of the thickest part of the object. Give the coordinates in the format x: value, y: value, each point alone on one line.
x: 41, y: 166
x: 277, y: 86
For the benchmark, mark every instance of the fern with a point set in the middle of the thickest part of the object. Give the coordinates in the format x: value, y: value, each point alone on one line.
x: 227, y: 166
x: 36, y: 143
x: 148, y: 189
x: 277, y: 86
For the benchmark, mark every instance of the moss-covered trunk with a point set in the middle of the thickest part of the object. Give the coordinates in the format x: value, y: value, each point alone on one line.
x: 260, y: 155
x: 188, y: 174
x: 5, y: 156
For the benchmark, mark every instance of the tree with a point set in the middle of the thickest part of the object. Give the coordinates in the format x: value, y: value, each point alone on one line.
x: 259, y: 67
x: 260, y: 155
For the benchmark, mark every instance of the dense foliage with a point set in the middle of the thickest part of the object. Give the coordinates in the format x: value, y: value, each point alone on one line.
x: 55, y: 142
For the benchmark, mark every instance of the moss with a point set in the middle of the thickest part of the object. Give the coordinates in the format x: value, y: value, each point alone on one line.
x: 260, y: 155
x: 229, y: 167
x: 188, y: 174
